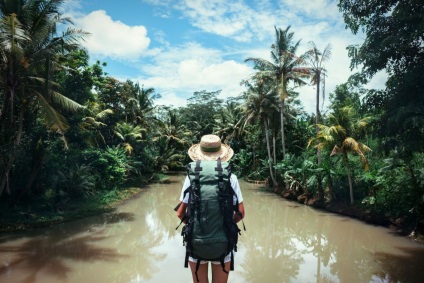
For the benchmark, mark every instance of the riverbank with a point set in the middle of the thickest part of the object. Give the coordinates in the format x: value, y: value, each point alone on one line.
x: 358, y: 211
x: 47, y: 214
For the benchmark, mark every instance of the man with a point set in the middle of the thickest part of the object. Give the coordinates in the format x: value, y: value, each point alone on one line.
x: 211, y: 148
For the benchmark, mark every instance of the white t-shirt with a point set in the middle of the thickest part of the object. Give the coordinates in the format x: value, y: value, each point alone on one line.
x: 234, y: 184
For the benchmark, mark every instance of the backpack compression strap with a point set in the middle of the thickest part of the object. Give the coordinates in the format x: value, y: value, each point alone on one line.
x: 193, y: 203
x: 196, y: 188
x: 221, y: 187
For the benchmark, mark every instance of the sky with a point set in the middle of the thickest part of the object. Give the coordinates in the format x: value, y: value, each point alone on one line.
x: 179, y: 47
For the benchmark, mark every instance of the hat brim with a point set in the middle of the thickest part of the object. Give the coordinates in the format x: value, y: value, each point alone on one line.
x: 225, y: 153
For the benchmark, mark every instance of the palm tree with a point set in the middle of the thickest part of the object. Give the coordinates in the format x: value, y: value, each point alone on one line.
x: 31, y: 52
x: 171, y: 140
x: 260, y: 103
x: 129, y: 135
x: 316, y: 61
x: 140, y: 105
x: 171, y: 131
x: 171, y: 158
x: 344, y: 125
x: 91, y: 126
x: 228, y: 123
x: 285, y: 67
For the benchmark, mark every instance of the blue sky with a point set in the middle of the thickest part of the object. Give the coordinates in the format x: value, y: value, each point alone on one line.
x: 179, y: 47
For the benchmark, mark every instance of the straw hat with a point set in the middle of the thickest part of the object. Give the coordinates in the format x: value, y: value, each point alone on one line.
x: 210, y: 148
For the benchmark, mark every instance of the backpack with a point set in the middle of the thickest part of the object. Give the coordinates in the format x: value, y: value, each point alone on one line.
x: 210, y: 233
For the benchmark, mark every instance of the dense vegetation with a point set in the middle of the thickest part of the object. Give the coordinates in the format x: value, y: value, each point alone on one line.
x: 70, y: 133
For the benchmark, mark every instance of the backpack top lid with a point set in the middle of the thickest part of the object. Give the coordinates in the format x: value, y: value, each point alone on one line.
x: 209, y: 171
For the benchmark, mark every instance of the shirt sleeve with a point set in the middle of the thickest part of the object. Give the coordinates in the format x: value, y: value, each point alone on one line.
x: 236, y: 187
x: 185, y: 186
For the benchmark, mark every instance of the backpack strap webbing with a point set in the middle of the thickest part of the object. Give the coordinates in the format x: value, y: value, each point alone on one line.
x: 221, y: 261
x: 186, y: 260
x: 232, y: 261
x: 196, y: 188
x: 197, y: 269
x: 219, y: 170
x: 188, y: 168
x: 235, y: 207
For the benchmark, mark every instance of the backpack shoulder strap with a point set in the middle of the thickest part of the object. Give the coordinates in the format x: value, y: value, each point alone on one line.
x: 196, y: 188
x: 219, y: 169
x: 235, y: 207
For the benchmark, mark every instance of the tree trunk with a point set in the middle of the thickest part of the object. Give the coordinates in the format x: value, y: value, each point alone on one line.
x: 4, y: 178
x: 349, y: 177
x: 317, y: 121
x: 274, y: 148
x: 274, y: 182
x: 283, y: 142
x: 38, y: 162
x: 318, y: 114
x: 283, y: 139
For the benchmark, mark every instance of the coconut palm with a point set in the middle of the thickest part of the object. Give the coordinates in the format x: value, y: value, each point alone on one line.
x: 260, y: 104
x: 316, y: 60
x: 31, y: 51
x: 171, y: 131
x: 129, y: 135
x: 91, y: 126
x: 228, y: 123
x: 285, y: 67
x: 171, y: 158
x: 140, y: 105
x: 345, y: 124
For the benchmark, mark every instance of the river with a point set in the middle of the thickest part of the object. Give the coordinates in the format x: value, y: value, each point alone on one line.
x: 284, y: 242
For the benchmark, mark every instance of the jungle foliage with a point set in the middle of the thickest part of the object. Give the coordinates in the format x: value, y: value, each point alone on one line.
x: 70, y: 132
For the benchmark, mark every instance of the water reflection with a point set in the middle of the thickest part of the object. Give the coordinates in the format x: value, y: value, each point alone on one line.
x: 284, y: 242
x: 288, y: 242
x: 269, y: 245
x: 117, y: 247
x: 48, y: 250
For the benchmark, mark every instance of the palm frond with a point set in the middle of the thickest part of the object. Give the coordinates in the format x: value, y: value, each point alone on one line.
x: 65, y: 102
x: 52, y: 119
x: 103, y: 114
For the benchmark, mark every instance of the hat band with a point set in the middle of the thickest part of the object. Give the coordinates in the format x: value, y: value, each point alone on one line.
x: 210, y: 149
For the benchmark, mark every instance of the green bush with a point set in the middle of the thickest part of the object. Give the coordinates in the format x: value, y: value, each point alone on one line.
x: 77, y: 181
x: 75, y: 173
x: 241, y: 163
x: 400, y: 186
x: 110, y: 166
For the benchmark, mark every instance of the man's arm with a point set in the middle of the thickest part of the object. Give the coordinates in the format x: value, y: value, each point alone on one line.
x: 181, y: 212
x: 240, y: 215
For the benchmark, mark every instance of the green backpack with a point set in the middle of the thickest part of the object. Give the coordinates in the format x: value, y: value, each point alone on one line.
x: 210, y: 233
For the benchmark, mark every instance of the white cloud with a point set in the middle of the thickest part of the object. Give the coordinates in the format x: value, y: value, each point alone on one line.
x: 234, y: 19
x: 245, y: 21
x: 111, y: 38
x: 218, y: 17
x: 191, y: 67
x: 171, y: 99
x: 321, y: 9
x: 176, y: 71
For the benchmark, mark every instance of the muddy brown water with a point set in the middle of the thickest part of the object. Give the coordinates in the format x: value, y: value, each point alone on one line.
x: 284, y: 242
